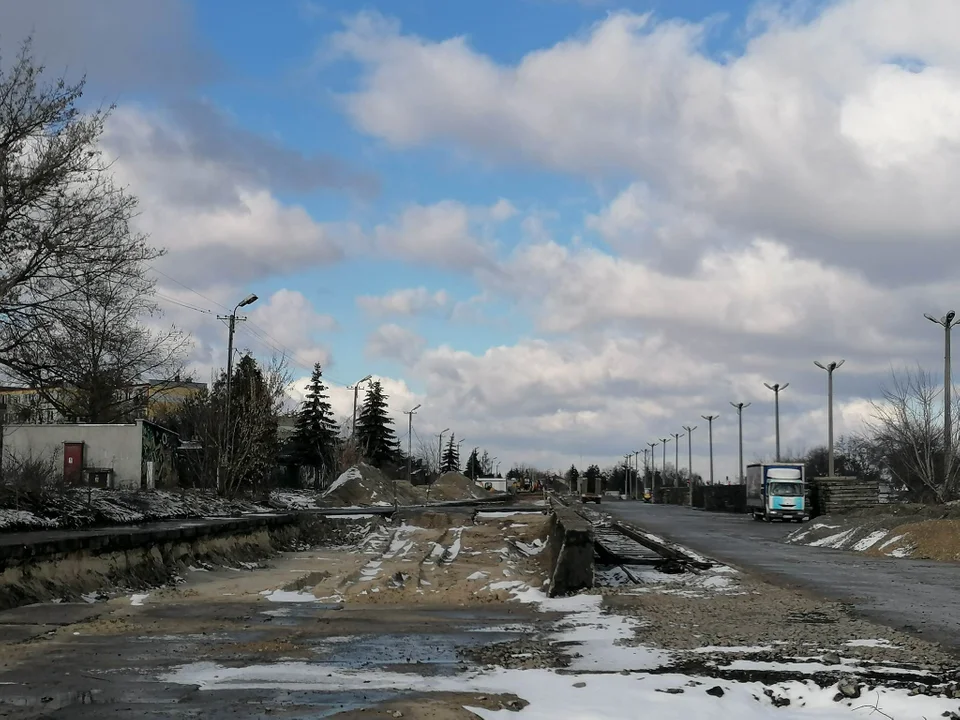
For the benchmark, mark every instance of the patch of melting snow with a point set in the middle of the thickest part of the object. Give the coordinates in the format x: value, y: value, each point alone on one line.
x: 872, y: 643
x: 506, y: 513
x: 903, y: 552
x: 138, y: 598
x: 536, y: 548
x: 870, y: 540
x: 452, y: 552
x: 288, y: 596
x: 352, y: 516
x: 734, y: 649
x: 479, y: 575
x: 551, y: 695
x: 834, y: 542
x: 800, y: 667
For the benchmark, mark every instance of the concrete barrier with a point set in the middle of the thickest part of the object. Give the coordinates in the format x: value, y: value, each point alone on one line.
x: 570, y: 552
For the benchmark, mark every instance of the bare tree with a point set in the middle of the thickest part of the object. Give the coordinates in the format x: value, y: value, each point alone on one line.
x: 90, y: 356
x: 906, y: 436
x: 248, y: 449
x: 64, y: 225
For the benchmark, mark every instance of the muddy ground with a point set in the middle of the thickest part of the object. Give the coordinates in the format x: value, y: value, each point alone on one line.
x: 432, y: 595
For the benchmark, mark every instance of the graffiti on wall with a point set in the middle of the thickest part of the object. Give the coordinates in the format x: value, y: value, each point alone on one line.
x: 158, y: 459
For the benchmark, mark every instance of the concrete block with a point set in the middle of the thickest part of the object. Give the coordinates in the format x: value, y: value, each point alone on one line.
x: 571, y: 553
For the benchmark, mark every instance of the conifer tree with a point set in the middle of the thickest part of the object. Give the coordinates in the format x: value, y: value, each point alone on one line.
x: 316, y: 438
x: 451, y: 456
x: 375, y: 436
x: 474, y: 470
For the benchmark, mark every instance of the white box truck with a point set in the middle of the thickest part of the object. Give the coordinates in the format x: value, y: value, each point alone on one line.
x: 777, y: 491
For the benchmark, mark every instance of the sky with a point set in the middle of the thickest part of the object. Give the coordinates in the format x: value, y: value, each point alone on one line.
x: 564, y: 228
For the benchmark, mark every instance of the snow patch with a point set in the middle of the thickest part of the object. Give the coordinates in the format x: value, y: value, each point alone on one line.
x: 288, y: 596
x: 345, y: 477
x: 870, y: 540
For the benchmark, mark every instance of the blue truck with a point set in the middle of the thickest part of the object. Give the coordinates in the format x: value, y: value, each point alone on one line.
x: 777, y: 491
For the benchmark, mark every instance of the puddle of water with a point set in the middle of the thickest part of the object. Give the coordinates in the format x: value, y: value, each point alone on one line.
x: 435, y: 654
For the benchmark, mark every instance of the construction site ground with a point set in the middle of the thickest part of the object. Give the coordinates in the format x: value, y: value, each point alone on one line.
x: 443, y: 615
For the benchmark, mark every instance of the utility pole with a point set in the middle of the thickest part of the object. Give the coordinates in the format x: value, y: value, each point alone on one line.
x: 227, y: 444
x: 777, y: 387
x: 740, y: 407
x: 710, y: 419
x: 409, y: 414
x: 947, y: 322
x: 356, y: 389
x: 690, y: 430
x: 676, y: 457
x: 664, y: 441
x: 626, y: 473
x: 653, y: 456
x: 636, y: 474
x: 830, y: 367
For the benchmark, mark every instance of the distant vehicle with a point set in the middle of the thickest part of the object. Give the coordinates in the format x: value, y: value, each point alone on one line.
x: 647, y: 496
x: 777, y: 491
x: 590, y: 494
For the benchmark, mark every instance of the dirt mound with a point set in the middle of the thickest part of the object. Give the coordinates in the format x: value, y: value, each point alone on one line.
x: 457, y: 486
x: 885, y: 535
x: 365, y: 486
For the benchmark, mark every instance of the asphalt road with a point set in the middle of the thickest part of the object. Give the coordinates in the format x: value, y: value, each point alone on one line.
x: 916, y: 596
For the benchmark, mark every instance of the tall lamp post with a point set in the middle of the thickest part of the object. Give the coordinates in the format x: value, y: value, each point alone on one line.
x: 440, y: 449
x: 676, y: 456
x: 232, y: 320
x: 409, y: 414
x: 947, y: 321
x: 636, y: 473
x: 710, y: 419
x: 740, y: 407
x: 356, y: 389
x: 690, y: 430
x: 664, y: 442
x: 829, y: 367
x: 653, y: 456
x: 777, y: 387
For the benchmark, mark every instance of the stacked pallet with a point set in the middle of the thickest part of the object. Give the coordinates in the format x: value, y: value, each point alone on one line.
x: 843, y: 494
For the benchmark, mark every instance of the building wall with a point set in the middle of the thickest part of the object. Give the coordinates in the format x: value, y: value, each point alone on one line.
x: 105, y: 446
x: 159, y: 448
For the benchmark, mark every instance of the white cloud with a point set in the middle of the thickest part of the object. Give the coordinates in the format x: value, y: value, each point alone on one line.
x: 393, y: 342
x: 447, y: 234
x: 214, y: 221
x: 813, y: 130
x: 407, y: 301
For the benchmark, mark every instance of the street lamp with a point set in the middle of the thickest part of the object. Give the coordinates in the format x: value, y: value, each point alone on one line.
x: 664, y: 441
x: 690, y: 430
x: 830, y: 367
x: 409, y: 414
x: 356, y: 389
x: 232, y: 319
x: 710, y: 419
x: 740, y: 407
x: 776, y: 408
x: 947, y: 321
x: 676, y: 457
x: 636, y: 474
x: 653, y: 457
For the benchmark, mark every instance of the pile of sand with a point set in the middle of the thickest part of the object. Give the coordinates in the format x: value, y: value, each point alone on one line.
x: 457, y: 486
x: 365, y: 486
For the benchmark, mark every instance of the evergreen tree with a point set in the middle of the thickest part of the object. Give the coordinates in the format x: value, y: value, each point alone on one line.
x: 474, y: 469
x: 375, y: 436
x: 252, y: 438
x: 316, y: 436
x: 486, y: 465
x: 450, y: 462
x: 572, y: 477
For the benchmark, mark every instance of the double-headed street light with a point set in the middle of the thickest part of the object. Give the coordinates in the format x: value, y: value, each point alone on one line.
x: 829, y: 367
x: 740, y: 407
x: 947, y: 321
x: 710, y: 419
x: 777, y: 387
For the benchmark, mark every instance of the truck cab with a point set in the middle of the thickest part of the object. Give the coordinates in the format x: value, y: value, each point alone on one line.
x: 777, y: 491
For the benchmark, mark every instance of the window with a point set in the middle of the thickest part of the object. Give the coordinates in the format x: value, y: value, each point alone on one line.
x: 786, y: 489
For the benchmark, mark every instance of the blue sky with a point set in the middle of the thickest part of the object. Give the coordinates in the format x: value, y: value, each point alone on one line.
x: 562, y: 229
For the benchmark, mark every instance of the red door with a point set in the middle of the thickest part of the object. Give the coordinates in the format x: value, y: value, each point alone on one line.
x: 72, y: 463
